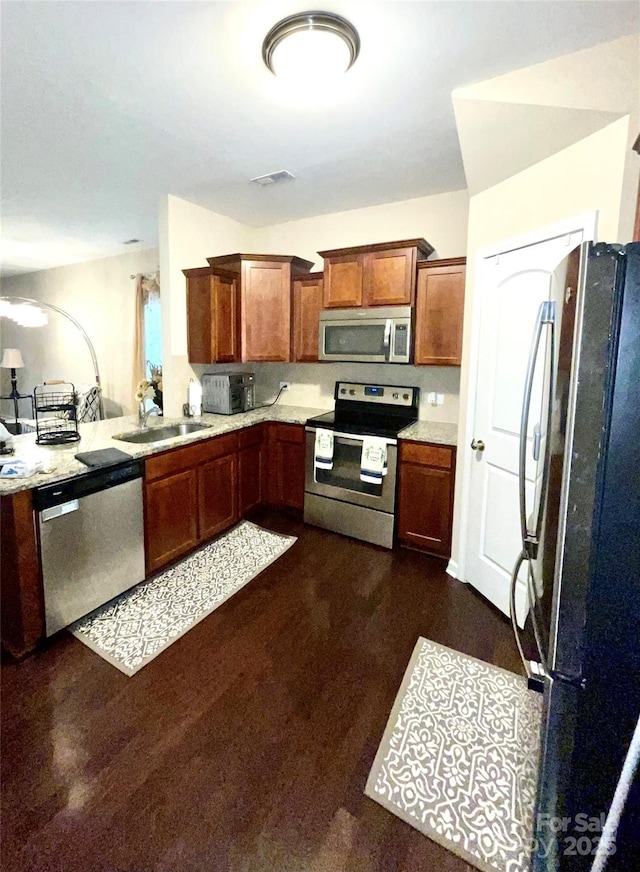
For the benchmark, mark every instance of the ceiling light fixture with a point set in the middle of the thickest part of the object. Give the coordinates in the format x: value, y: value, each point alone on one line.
x: 311, y: 45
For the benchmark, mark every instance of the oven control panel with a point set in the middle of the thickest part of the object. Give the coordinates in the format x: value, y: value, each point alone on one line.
x: 390, y: 395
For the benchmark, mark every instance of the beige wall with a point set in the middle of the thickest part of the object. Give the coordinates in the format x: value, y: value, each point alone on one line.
x: 100, y: 295
x: 585, y: 177
x: 189, y: 234
x: 440, y: 219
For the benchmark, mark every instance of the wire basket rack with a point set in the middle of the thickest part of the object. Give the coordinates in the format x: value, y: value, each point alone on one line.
x: 56, y: 413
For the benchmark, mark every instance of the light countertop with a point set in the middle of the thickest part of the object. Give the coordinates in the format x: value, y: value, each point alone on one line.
x: 431, y: 431
x: 59, y: 461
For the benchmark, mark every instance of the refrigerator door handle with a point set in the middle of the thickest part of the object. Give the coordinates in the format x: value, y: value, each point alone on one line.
x: 545, y: 316
x: 512, y: 612
x: 537, y: 439
x: 537, y: 620
x: 522, y: 557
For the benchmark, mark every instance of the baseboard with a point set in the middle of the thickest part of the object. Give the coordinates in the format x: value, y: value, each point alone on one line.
x: 452, y: 568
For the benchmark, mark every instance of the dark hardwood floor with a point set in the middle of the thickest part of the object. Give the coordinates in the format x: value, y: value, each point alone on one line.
x: 245, y: 746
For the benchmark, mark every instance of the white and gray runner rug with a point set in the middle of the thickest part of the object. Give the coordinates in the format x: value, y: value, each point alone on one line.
x: 459, y: 757
x: 134, y: 628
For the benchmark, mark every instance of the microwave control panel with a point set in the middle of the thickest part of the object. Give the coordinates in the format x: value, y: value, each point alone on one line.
x: 401, y: 340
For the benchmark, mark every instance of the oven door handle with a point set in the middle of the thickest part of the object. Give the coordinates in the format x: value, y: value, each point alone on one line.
x: 350, y: 439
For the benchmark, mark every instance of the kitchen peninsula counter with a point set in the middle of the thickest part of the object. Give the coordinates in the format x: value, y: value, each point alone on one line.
x: 59, y: 461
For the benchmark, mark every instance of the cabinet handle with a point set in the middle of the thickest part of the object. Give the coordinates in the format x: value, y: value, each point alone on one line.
x: 477, y: 444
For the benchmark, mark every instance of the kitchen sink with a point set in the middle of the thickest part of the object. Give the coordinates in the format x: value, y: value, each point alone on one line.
x: 161, y: 434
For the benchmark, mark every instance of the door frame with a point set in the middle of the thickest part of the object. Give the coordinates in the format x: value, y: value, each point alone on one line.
x: 588, y: 223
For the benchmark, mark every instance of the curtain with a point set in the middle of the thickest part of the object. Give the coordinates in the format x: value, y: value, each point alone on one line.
x: 147, y: 288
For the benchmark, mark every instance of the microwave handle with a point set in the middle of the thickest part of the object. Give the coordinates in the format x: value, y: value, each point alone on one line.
x: 386, y: 344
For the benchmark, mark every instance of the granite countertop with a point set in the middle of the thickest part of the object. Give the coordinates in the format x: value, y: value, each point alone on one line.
x: 431, y: 431
x: 58, y: 461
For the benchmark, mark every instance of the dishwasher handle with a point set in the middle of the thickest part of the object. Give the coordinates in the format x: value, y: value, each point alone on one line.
x: 50, y: 495
x: 59, y: 511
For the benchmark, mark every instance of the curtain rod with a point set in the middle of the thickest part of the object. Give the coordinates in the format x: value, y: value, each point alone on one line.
x: 151, y: 275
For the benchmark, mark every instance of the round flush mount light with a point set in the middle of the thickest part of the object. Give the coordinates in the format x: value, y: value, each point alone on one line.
x: 311, y: 45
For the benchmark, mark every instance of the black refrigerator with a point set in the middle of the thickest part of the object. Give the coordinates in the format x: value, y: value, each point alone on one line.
x: 580, y: 559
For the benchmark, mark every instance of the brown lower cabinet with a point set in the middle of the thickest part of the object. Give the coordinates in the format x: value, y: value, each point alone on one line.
x: 194, y: 493
x: 217, y: 495
x: 285, y: 471
x: 190, y: 495
x: 171, y: 520
x: 251, y: 468
x: 21, y: 595
x: 425, y: 497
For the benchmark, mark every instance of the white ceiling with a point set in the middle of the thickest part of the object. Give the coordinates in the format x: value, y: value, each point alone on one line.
x: 109, y: 106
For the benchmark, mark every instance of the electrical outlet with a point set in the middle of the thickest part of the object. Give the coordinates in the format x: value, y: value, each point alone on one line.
x: 284, y: 386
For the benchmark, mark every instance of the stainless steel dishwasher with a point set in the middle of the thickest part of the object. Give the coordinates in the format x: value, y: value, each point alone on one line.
x: 91, y: 538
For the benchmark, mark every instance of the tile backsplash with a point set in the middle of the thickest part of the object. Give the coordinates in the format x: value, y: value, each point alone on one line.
x: 312, y: 384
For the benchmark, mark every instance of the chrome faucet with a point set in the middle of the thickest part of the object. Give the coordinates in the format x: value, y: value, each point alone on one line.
x: 143, y: 414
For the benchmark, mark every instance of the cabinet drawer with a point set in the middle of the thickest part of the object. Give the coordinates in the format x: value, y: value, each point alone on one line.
x: 426, y: 455
x: 210, y: 449
x: 191, y: 455
x: 288, y: 433
x: 251, y: 436
x: 168, y: 462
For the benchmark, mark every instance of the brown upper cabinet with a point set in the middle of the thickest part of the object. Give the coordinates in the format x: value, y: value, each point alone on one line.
x: 440, y: 312
x: 265, y: 288
x: 307, y: 303
x: 239, y: 308
x: 212, y: 316
x: 383, y: 274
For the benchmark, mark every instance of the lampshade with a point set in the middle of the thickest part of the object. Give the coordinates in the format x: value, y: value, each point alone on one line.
x: 311, y: 45
x: 12, y: 359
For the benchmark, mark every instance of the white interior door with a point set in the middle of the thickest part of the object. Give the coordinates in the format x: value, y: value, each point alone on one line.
x: 512, y: 287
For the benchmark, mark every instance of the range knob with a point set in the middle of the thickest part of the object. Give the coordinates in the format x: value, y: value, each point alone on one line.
x: 352, y: 392
x: 405, y: 396
x: 343, y: 390
x: 395, y: 396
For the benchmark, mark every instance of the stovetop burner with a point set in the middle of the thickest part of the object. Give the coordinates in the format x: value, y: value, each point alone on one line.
x: 370, y: 410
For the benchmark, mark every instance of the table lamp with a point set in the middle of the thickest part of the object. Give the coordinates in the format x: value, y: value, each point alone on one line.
x: 12, y: 359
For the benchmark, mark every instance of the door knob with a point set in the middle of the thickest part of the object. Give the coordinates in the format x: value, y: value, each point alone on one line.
x: 477, y: 444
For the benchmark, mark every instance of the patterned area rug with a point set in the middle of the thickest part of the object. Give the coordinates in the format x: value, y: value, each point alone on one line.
x: 134, y: 628
x: 458, y: 759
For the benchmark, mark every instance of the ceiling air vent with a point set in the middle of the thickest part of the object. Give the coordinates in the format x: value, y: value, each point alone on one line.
x: 273, y: 178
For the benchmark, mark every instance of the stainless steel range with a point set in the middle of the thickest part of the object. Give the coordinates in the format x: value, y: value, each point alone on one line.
x: 351, y: 460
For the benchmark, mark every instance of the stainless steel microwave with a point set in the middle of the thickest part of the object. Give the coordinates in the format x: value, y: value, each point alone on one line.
x: 381, y: 335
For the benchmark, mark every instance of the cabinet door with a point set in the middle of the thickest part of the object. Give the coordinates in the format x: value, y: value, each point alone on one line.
x: 217, y: 496
x: 285, y: 473
x: 171, y: 521
x: 425, y: 508
x: 250, y: 474
x: 440, y: 313
x: 390, y: 277
x: 266, y: 311
x: 225, y: 318
x: 200, y: 330
x: 343, y: 278
x: 307, y: 303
